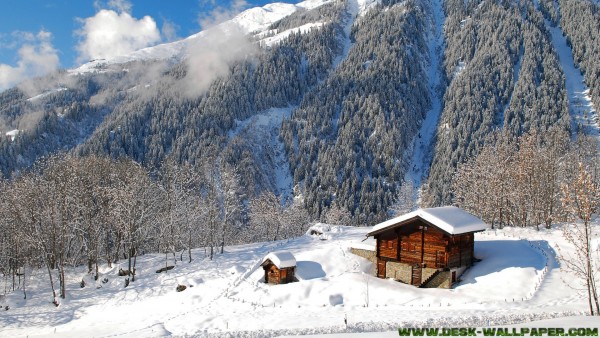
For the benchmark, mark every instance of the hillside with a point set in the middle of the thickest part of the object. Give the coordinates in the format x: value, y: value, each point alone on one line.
x: 518, y: 280
x: 363, y: 95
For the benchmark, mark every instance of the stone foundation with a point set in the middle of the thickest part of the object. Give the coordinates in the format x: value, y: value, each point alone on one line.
x: 367, y: 254
x: 402, y: 272
x: 399, y: 271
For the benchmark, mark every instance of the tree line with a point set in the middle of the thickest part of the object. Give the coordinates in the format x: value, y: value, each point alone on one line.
x: 93, y: 210
x: 518, y: 181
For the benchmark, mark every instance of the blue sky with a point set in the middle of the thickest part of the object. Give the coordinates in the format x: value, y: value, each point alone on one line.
x: 37, y: 36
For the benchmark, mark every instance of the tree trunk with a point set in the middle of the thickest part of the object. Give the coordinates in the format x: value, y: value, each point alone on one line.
x: 24, y: 282
x: 61, y: 273
x: 129, y: 262
x: 190, y: 247
x: 589, y: 287
x: 133, y: 271
x: 54, y: 300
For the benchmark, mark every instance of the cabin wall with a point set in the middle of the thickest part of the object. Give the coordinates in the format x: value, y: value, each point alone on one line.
x: 272, y: 275
x: 431, y: 247
x: 460, y: 251
x: 387, y: 245
x: 290, y: 272
x: 411, y: 245
x: 434, y: 253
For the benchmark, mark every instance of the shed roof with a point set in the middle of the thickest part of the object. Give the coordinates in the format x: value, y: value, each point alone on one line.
x: 450, y: 219
x: 281, y: 259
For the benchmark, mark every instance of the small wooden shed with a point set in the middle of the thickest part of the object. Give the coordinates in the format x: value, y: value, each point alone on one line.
x: 427, y: 247
x: 280, y: 267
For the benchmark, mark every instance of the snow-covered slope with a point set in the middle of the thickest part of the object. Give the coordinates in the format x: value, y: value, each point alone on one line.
x: 261, y: 133
x: 252, y: 21
x: 423, y: 142
x: 580, y: 103
x: 517, y: 280
x: 584, y: 116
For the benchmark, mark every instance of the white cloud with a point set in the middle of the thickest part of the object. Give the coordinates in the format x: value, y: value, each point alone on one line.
x: 36, y: 57
x: 169, y: 30
x: 110, y: 33
x: 211, y: 56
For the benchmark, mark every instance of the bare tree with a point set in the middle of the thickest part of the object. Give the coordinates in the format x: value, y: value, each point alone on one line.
x: 581, y: 200
x: 230, y: 197
x: 337, y: 215
x: 406, y: 200
x: 266, y: 215
x: 134, y: 210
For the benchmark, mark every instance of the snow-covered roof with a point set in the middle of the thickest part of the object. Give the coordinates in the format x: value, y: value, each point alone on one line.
x: 450, y: 219
x: 281, y: 259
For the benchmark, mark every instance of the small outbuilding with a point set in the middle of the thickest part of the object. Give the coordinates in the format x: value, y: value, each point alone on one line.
x: 427, y: 247
x: 280, y: 267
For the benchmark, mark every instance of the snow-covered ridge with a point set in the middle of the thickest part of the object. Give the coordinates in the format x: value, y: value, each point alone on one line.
x: 275, y: 39
x: 252, y: 21
x: 37, y: 97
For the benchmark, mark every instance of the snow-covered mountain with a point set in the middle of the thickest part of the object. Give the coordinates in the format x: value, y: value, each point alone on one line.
x: 363, y: 96
x: 254, y: 22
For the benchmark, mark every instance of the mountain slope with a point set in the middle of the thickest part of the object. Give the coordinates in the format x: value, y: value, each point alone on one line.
x: 510, y: 78
x: 348, y: 137
x: 374, y: 94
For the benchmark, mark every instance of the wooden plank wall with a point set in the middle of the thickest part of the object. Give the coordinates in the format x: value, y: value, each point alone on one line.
x: 461, y: 250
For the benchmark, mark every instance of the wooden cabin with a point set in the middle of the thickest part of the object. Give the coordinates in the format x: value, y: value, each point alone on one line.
x: 280, y: 267
x: 427, y: 247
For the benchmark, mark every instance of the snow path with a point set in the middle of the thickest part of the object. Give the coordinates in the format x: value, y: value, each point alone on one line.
x: 580, y: 102
x: 423, y: 142
x: 581, y: 108
x: 353, y: 9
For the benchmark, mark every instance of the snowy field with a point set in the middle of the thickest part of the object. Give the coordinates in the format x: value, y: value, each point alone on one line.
x: 517, y: 281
